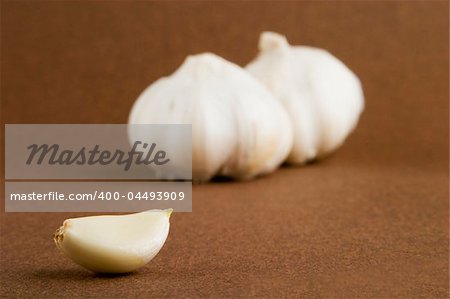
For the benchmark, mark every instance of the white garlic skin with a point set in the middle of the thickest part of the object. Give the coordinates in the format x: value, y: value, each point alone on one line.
x: 238, y: 129
x: 114, y: 243
x: 322, y: 96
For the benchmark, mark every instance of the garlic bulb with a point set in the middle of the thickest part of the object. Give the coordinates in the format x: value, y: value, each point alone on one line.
x: 114, y: 243
x: 238, y: 129
x: 322, y: 96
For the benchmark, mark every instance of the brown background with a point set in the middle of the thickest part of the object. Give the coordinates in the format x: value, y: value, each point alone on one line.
x: 371, y: 221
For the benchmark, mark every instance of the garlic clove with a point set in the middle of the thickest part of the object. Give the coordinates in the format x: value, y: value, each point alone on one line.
x: 114, y: 243
x: 238, y: 129
x: 323, y: 98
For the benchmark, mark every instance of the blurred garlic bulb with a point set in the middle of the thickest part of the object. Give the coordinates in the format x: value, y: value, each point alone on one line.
x: 322, y: 96
x: 238, y: 129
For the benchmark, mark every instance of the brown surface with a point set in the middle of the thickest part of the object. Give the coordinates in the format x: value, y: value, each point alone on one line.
x: 371, y: 221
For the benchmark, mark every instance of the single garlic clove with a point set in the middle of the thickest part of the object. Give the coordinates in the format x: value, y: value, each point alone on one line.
x: 114, y: 243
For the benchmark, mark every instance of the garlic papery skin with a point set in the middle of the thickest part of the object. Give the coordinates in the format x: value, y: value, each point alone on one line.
x: 114, y: 243
x: 322, y: 96
x: 239, y: 129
